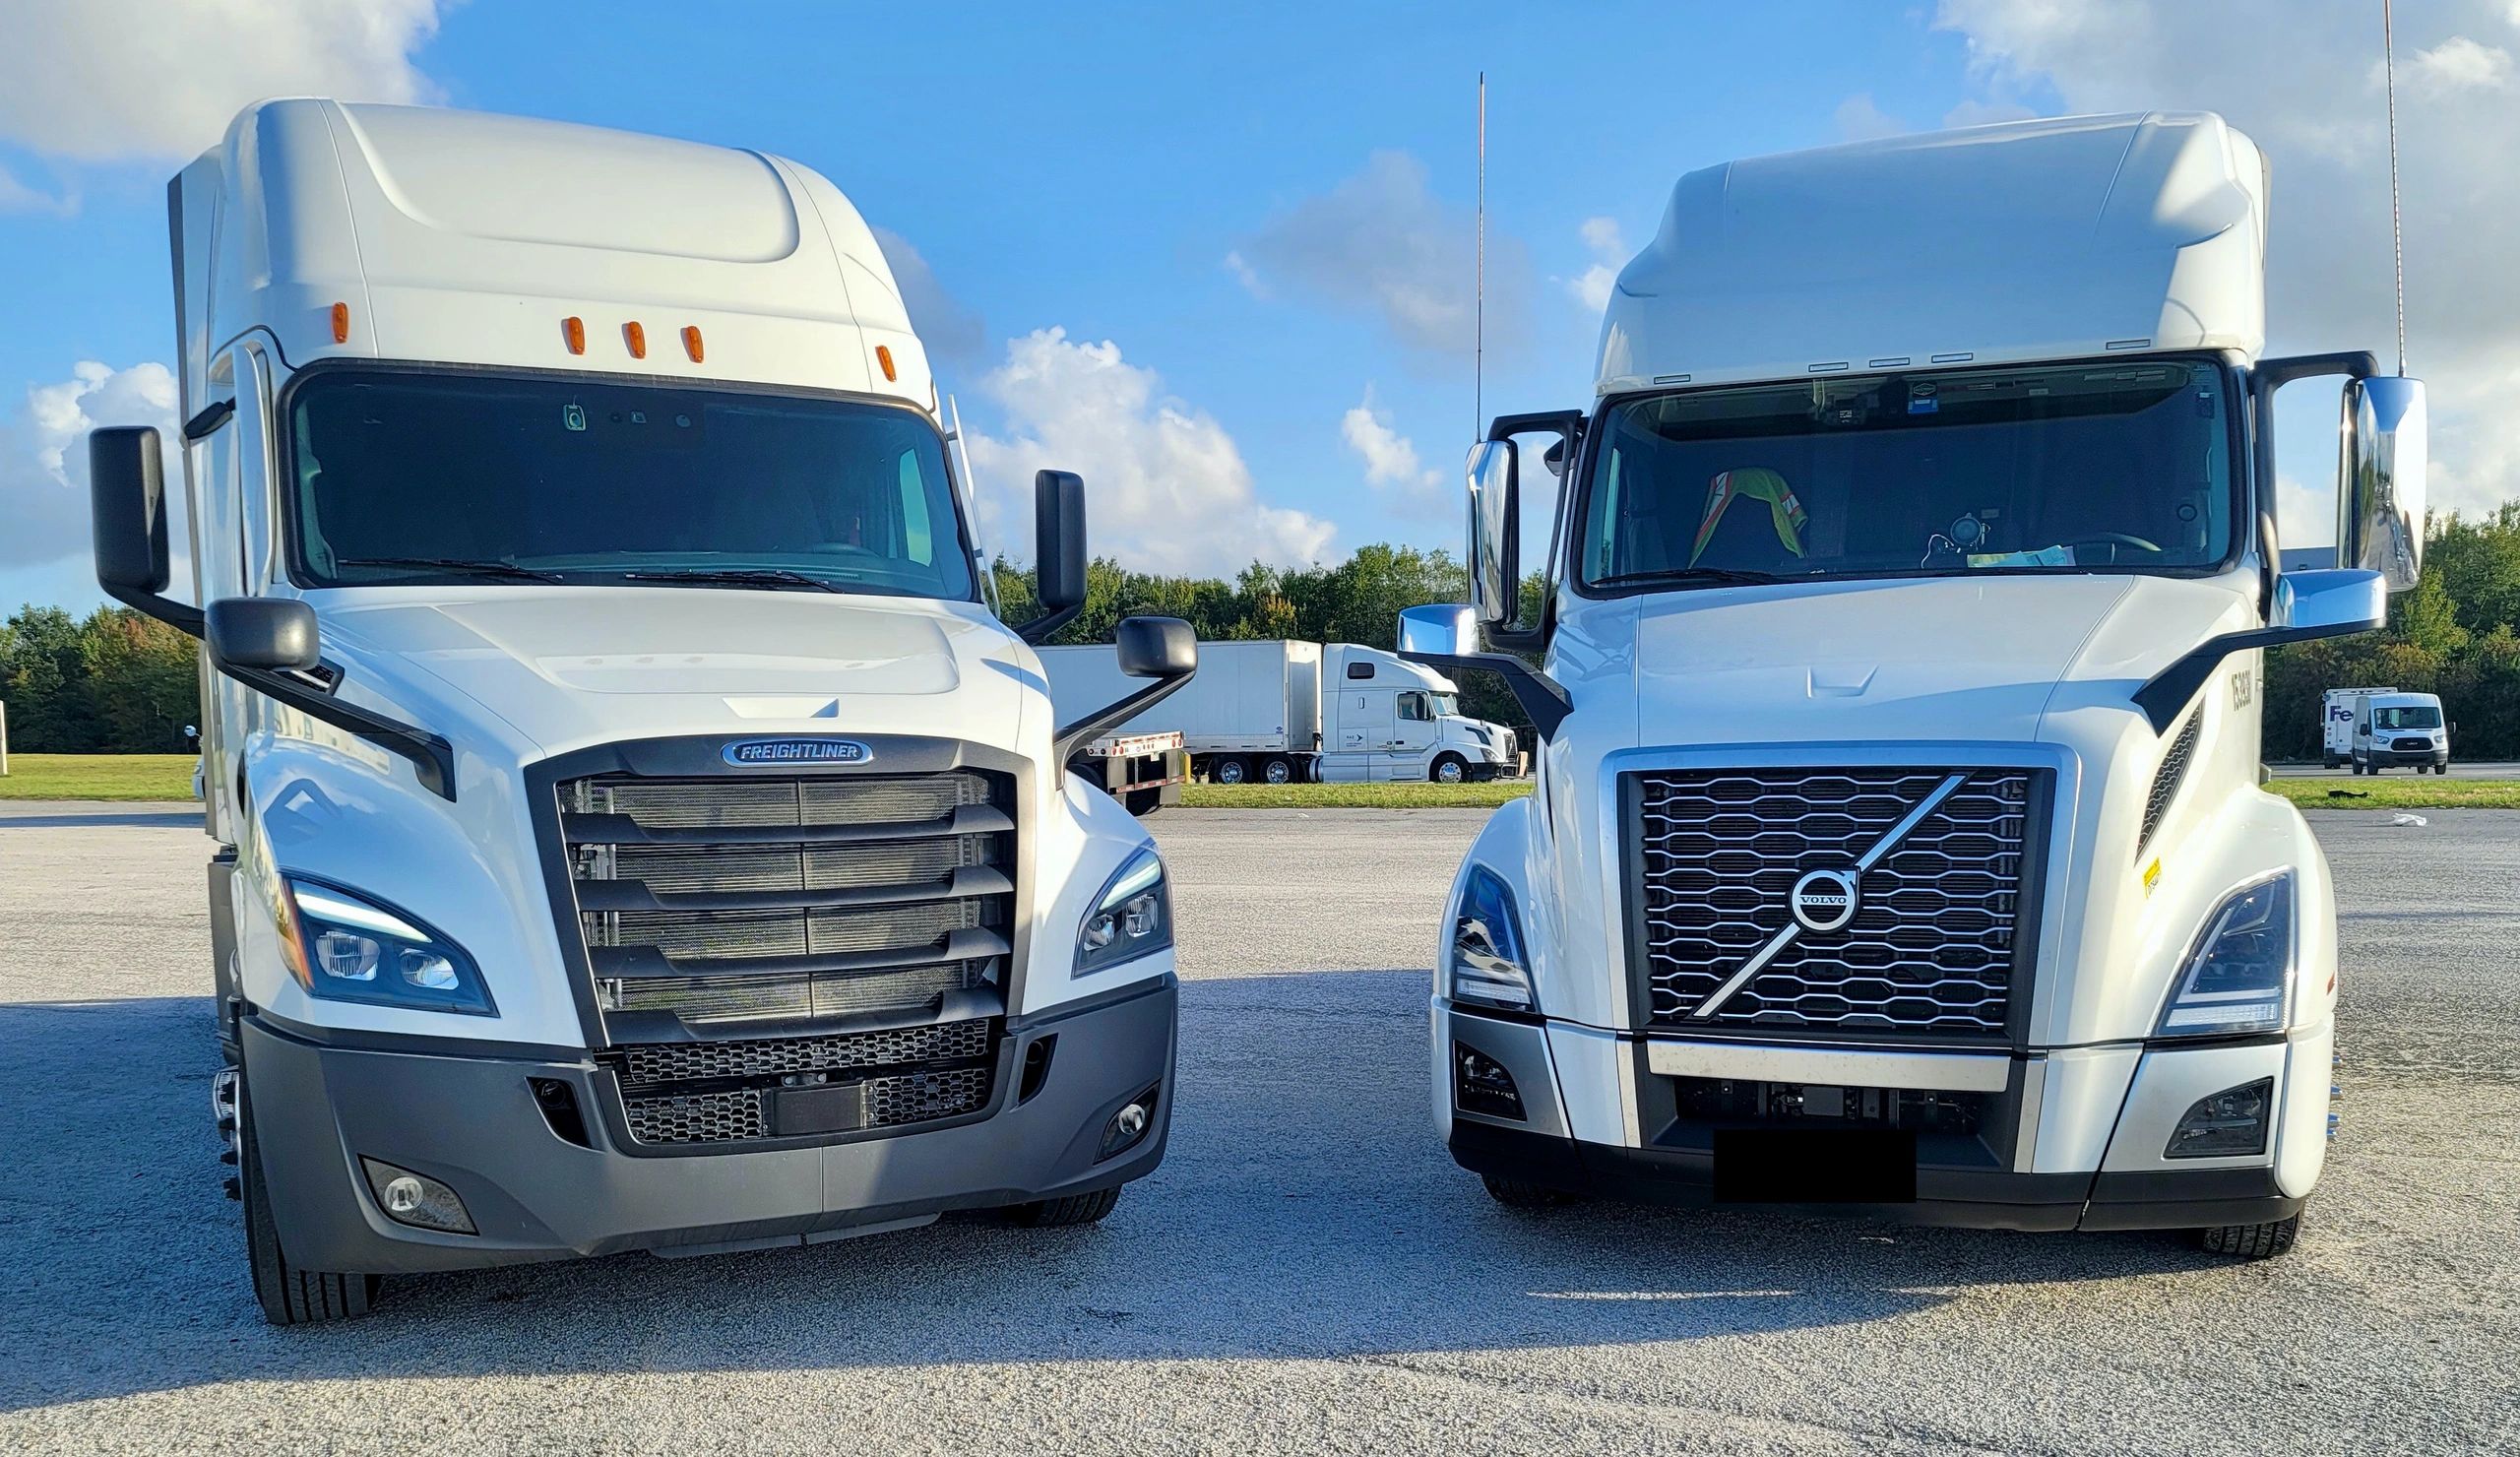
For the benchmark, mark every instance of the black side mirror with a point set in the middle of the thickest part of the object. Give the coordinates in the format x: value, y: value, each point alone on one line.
x: 275, y: 634
x: 127, y: 497
x: 1058, y: 552
x: 1157, y: 647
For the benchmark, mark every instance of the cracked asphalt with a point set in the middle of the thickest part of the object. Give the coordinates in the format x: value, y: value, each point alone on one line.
x: 1307, y: 1270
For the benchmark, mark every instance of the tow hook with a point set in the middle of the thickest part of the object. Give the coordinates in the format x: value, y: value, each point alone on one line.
x: 223, y: 1107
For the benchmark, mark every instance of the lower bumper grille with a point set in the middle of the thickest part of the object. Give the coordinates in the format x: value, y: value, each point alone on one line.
x: 724, y: 1092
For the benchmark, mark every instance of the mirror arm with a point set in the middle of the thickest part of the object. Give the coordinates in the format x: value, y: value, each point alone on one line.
x: 1068, y: 739
x: 1541, y: 696
x: 184, y: 617
x: 1568, y: 423
x: 1038, y: 630
x: 2171, y: 690
x: 431, y: 756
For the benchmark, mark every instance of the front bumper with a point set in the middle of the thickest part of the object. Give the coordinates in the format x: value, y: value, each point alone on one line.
x: 2072, y: 1140
x: 2385, y: 758
x: 471, y: 1121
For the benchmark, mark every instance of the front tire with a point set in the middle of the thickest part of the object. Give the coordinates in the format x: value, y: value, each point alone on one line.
x: 1075, y: 1208
x: 2251, y: 1241
x: 289, y: 1295
x: 1450, y: 769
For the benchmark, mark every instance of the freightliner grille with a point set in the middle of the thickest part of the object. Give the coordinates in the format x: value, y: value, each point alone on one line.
x: 748, y: 907
x: 1933, y: 946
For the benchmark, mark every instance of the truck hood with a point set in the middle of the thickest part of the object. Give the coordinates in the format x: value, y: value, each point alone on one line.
x: 1984, y: 659
x: 569, y: 667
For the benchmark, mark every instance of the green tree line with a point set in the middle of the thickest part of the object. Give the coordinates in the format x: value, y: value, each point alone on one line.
x: 118, y: 681
x: 2456, y: 634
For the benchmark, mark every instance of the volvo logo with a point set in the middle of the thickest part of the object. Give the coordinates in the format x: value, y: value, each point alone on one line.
x: 1823, y: 899
x: 753, y: 753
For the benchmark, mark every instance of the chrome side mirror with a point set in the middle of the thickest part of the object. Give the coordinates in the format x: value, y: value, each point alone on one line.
x: 2321, y: 603
x: 1440, y: 630
x: 1495, y: 534
x: 2381, y: 465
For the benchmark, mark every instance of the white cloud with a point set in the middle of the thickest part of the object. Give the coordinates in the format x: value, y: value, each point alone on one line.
x: 2455, y: 65
x: 2319, y: 115
x: 121, y: 80
x: 950, y: 330
x: 1592, y: 287
x: 1391, y: 460
x: 1244, y: 274
x: 1860, y: 120
x: 1382, y: 242
x: 44, y: 459
x: 1167, y: 488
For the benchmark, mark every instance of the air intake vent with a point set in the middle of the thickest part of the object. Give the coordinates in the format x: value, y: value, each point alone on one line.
x: 2166, y: 780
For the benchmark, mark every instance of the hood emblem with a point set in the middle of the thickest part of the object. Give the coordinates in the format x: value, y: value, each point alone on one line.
x: 754, y: 753
x: 1823, y: 899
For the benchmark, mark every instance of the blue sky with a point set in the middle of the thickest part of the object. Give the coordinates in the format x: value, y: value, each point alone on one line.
x: 1251, y: 229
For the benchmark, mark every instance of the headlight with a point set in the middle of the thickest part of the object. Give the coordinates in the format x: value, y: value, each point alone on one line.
x: 1488, y: 962
x: 1131, y: 917
x: 345, y: 947
x: 2238, y: 978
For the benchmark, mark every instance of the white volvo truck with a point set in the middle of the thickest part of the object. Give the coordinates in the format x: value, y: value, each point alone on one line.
x: 1896, y: 842
x: 636, y: 830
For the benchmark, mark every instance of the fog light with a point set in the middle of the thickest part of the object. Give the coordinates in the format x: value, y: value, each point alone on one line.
x: 1128, y: 1125
x: 2229, y: 1123
x: 1482, y: 1085
x: 416, y: 1199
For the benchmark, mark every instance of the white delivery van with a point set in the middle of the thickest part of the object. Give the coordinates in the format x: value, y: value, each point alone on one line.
x: 2336, y: 723
x: 2393, y: 728
x: 635, y: 830
x: 1278, y: 712
x: 1896, y: 841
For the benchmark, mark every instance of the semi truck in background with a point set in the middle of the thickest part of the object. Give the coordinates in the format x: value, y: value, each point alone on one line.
x: 2372, y: 728
x: 1895, y: 841
x: 1278, y: 712
x: 634, y: 828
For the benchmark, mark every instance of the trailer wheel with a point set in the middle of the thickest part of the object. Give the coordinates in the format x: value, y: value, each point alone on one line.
x: 1278, y: 771
x: 1450, y: 769
x: 2251, y: 1241
x: 287, y: 1295
x: 1076, y: 1209
x: 1143, y: 802
x: 1228, y: 771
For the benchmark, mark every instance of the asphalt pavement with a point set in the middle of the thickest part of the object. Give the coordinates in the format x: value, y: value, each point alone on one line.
x: 1306, y: 1270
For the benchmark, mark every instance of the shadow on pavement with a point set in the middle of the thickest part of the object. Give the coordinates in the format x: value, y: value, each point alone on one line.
x: 1303, y: 1211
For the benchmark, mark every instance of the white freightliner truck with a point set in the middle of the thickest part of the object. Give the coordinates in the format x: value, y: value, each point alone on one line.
x: 1281, y: 712
x: 1895, y: 841
x: 636, y: 830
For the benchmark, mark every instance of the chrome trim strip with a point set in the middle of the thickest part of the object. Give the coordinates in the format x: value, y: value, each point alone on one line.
x: 1844, y: 1068
x: 1749, y: 969
x: 1914, y: 817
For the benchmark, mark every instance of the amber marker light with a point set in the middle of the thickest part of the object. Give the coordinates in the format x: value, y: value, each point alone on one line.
x: 691, y: 342
x: 884, y: 356
x: 637, y: 338
x: 574, y: 330
x: 341, y: 323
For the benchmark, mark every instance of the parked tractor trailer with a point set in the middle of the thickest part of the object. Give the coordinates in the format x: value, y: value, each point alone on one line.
x: 1277, y: 712
x: 634, y: 828
x: 1896, y: 841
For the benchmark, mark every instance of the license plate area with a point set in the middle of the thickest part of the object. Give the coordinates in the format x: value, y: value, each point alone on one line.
x: 1815, y: 1165
x: 834, y: 1107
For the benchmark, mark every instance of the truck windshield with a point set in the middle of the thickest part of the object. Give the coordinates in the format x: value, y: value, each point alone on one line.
x: 2075, y: 468
x: 2422, y: 715
x: 413, y: 478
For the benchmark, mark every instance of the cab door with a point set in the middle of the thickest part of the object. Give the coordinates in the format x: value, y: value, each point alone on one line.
x: 1413, y: 731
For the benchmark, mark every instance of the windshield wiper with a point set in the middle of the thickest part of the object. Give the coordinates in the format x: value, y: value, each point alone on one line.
x: 1709, y: 576
x: 738, y: 577
x: 455, y: 564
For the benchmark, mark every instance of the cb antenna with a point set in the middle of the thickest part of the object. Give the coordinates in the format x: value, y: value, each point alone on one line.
x: 2397, y: 230
x: 1479, y: 286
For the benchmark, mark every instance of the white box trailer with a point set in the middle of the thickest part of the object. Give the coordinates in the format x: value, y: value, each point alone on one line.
x: 1283, y: 712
